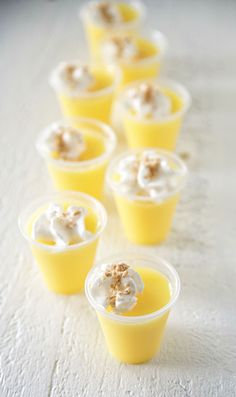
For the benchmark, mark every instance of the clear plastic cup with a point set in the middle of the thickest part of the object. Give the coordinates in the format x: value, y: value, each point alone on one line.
x: 161, y: 133
x: 133, y: 12
x: 146, y: 220
x: 84, y: 176
x: 154, y: 44
x: 136, y: 339
x: 96, y: 104
x: 64, y: 269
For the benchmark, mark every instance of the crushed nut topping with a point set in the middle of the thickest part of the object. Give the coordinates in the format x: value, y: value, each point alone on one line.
x: 153, y: 165
x: 185, y: 155
x: 61, y: 143
x: 105, y: 11
x: 70, y: 73
x: 148, y: 92
x: 117, y: 272
x: 69, y: 219
x: 121, y: 43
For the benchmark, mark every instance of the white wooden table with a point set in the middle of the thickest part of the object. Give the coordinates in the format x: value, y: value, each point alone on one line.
x: 53, y: 346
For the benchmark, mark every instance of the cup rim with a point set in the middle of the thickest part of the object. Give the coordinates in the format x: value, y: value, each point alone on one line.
x: 174, y: 86
x: 145, y: 258
x: 170, y: 155
x: 110, y: 134
x: 36, y: 203
x: 87, y: 94
x: 138, y: 5
x: 154, y: 36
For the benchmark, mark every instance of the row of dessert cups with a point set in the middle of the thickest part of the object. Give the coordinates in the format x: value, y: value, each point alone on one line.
x: 68, y: 270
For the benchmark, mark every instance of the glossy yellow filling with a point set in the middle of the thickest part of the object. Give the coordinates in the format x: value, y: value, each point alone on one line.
x: 146, y: 222
x: 64, y: 270
x: 95, y: 103
x: 85, y: 178
x: 148, y: 132
x: 90, y: 219
x: 96, y: 32
x: 128, y: 13
x: 139, y: 342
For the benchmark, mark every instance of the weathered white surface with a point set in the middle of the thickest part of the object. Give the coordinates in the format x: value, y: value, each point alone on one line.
x: 52, y: 346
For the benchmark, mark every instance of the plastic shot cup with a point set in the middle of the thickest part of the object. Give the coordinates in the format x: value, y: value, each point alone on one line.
x: 133, y: 14
x: 152, y: 45
x: 64, y: 269
x: 137, y: 338
x: 161, y: 133
x: 146, y: 220
x: 88, y: 174
x: 96, y: 103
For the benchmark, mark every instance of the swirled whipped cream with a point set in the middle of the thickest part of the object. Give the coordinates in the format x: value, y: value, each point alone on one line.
x: 61, y: 227
x: 105, y: 12
x: 120, y: 48
x: 116, y: 286
x: 147, y: 174
x: 147, y: 101
x: 64, y: 142
x: 72, y: 78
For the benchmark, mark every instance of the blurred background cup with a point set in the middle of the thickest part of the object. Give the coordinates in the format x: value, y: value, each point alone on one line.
x: 151, y: 45
x: 133, y: 14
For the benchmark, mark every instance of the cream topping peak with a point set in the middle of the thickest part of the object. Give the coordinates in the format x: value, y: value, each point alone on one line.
x: 148, y: 174
x: 72, y: 78
x: 65, y: 141
x: 105, y: 12
x: 120, y: 48
x: 116, y: 286
x: 147, y: 100
x: 62, y: 227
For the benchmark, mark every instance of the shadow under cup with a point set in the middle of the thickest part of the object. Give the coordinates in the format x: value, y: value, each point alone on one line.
x: 64, y: 269
x: 136, y: 339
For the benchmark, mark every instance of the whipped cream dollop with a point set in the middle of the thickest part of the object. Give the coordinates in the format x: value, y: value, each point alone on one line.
x: 147, y: 100
x: 62, y: 227
x: 66, y: 142
x: 105, y: 12
x: 120, y: 48
x: 116, y: 286
x: 148, y: 174
x: 72, y: 78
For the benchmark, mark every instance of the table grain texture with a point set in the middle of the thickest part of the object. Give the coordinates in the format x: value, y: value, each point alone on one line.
x: 52, y: 345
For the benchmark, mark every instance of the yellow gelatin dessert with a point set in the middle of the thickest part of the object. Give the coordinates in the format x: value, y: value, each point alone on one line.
x: 133, y: 297
x: 135, y: 57
x: 63, y: 231
x: 153, y: 113
x: 84, y: 91
x: 146, y: 186
x: 102, y: 17
x: 77, y: 154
